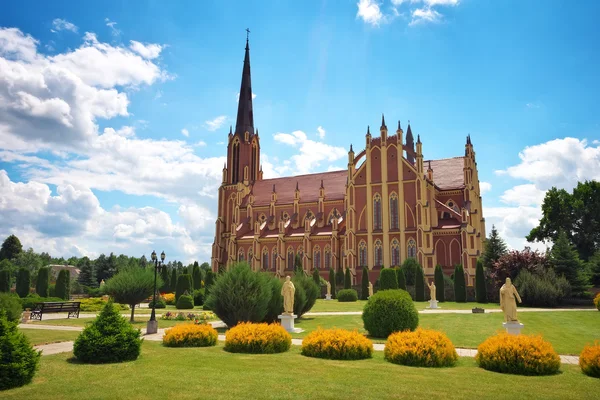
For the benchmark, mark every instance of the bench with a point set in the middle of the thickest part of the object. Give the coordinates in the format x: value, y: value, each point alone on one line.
x: 71, y: 307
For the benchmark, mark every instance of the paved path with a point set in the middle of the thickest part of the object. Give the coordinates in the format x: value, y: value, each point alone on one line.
x: 442, y: 311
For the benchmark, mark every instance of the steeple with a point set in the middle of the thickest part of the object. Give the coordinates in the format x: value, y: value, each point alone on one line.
x: 410, y: 143
x: 383, y: 126
x: 245, y: 115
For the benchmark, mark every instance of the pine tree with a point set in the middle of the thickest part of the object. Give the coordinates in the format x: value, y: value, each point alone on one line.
x: 316, y: 276
x: 298, y: 264
x: 5, y: 281
x: 480, y: 289
x: 364, y: 291
x: 439, y: 283
x: 332, y: 282
x: 419, y: 285
x: 566, y: 262
x: 401, y: 278
x: 197, y: 276
x: 164, y: 274
x: 209, y: 280
x: 63, y: 285
x: 43, y: 282
x: 339, y: 276
x: 87, y: 273
x: 23, y: 282
x: 11, y: 247
x: 173, y: 280
x: 460, y: 290
x: 184, y: 284
x: 347, y: 279
x: 495, y: 247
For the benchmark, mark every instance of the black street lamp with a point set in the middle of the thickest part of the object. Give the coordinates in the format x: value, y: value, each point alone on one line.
x: 152, y: 326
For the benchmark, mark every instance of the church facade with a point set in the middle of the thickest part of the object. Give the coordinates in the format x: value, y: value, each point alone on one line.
x: 389, y: 204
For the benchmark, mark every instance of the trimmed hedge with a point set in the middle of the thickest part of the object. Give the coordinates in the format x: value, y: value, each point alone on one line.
x: 388, y: 279
x: 337, y: 344
x: 5, y: 281
x: 160, y: 303
x: 332, y: 282
x: 347, y: 279
x: 198, y: 297
x: 389, y: 311
x: 311, y: 293
x: 184, y: 284
x: 439, y: 283
x: 31, y: 300
x: 460, y: 289
x: 23, y: 282
x: 42, y: 284
x: 347, y: 295
x: 257, y: 339
x: 275, y: 305
x: 63, y: 285
x: 401, y: 278
x: 364, y: 288
x: 185, y: 302
x: 421, y: 348
x: 19, y: 360
x: 190, y: 335
x: 419, y: 284
x: 480, y: 289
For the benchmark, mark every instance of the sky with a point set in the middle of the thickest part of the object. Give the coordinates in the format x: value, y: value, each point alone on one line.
x: 114, y: 115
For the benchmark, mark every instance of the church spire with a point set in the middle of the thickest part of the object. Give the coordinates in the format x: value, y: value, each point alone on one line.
x: 245, y: 115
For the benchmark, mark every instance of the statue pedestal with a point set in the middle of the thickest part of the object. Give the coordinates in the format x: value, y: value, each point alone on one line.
x: 433, y: 304
x: 287, y: 321
x: 328, y: 297
x: 513, y: 328
x: 151, y: 327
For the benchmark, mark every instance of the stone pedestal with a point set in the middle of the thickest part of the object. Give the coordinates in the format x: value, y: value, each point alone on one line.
x: 433, y: 304
x: 151, y: 327
x: 287, y: 321
x: 328, y: 297
x: 513, y: 328
x: 26, y: 316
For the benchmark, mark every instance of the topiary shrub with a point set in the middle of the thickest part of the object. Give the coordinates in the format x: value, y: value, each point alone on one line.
x: 19, y: 360
x: 198, y: 297
x: 480, y: 289
x: 421, y: 348
x: 542, y: 289
x: 109, y: 338
x: 597, y: 301
x: 332, y: 282
x: 11, y: 306
x: 364, y: 287
x: 347, y: 279
x: 337, y: 344
x: 184, y: 284
x: 23, y: 282
x: 209, y: 280
x: 43, y: 282
x: 389, y: 311
x: 438, y: 277
x: 589, y: 360
x: 160, y: 303
x: 32, y: 299
x: 276, y: 303
x: 401, y: 278
x: 419, y: 284
x: 460, y: 289
x: 257, y: 338
x: 518, y: 354
x: 63, y: 285
x: 388, y: 279
x: 316, y: 277
x: 190, y: 335
x: 347, y: 295
x: 311, y: 292
x: 409, y: 266
x: 4, y: 281
x: 185, y: 302
x: 197, y: 276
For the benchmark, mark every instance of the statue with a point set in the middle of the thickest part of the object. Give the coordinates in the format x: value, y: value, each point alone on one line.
x: 370, y: 289
x: 328, y: 289
x: 508, y: 304
x: 287, y: 291
x: 432, y: 291
x: 102, y: 283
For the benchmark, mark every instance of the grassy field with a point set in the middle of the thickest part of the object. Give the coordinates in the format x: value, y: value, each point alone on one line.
x: 334, y: 305
x: 46, y: 336
x: 213, y: 373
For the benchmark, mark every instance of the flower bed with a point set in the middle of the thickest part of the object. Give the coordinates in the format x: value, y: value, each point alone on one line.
x: 337, y: 344
x: 190, y: 335
x: 260, y: 338
x: 421, y: 348
x: 589, y: 360
x: 169, y: 298
x: 521, y: 354
x: 198, y: 318
x: 597, y: 301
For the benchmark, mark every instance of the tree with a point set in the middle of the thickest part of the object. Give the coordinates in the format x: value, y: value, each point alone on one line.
x: 28, y: 259
x: 87, y: 275
x: 495, y: 247
x: 410, y: 266
x: 43, y: 282
x: 460, y: 289
x: 23, y: 282
x: 364, y: 287
x: 347, y: 279
x: 513, y: 262
x: 298, y: 264
x: 316, y: 276
x: 184, y: 284
x: 339, y: 276
x: 401, y: 278
x: 439, y: 283
x: 332, y: 282
x: 205, y: 266
x: 164, y: 275
x: 63, y: 285
x: 143, y: 262
x: 11, y: 247
x: 480, y: 289
x: 594, y: 267
x: 388, y: 279
x: 19, y: 359
x: 208, y: 282
x: 132, y: 286
x: 565, y: 261
x: 197, y: 276
x: 5, y: 281
x: 419, y: 285
x: 173, y: 281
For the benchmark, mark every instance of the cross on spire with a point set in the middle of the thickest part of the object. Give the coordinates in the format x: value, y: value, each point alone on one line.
x: 247, y: 33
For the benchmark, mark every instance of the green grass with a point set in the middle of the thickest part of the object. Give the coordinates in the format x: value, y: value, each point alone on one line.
x: 212, y: 373
x: 39, y: 336
x: 334, y: 305
x: 140, y: 322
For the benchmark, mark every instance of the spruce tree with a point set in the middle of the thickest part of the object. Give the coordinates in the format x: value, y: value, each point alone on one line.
x: 316, y: 276
x: 197, y: 276
x: 460, y: 290
x: 565, y: 261
x: 184, y: 284
x: 495, y: 247
x: 347, y: 279
x: 332, y: 282
x: 43, y: 282
x: 87, y: 273
x: 63, y: 285
x: 173, y: 280
x: 364, y: 290
x: 401, y: 278
x: 439, y: 283
x: 480, y: 289
x: 5, y: 281
x: 419, y: 285
x: 298, y: 264
x: 209, y: 280
x: 164, y: 274
x: 339, y: 276
x: 23, y: 282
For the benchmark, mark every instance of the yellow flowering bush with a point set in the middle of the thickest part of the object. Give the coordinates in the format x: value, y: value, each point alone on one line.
x: 589, y: 360
x: 248, y: 337
x: 597, y: 301
x: 518, y: 354
x: 190, y: 335
x: 169, y: 298
x: 421, y: 348
x: 337, y: 344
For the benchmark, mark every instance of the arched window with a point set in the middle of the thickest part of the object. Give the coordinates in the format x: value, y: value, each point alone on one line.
x: 327, y: 257
x: 333, y: 214
x: 250, y: 255
x: 317, y: 257
x: 274, y: 266
x: 265, y: 259
x: 241, y: 255
x: 362, y: 254
x: 377, y: 224
x: 290, y: 258
x: 393, y: 211
x: 378, y: 254
x: 412, y: 249
x: 300, y: 252
x: 395, y: 253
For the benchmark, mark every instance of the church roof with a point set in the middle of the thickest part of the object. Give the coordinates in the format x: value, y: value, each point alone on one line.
x: 448, y: 173
x: 245, y: 114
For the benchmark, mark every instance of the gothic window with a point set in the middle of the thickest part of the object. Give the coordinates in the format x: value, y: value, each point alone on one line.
x: 300, y: 252
x: 362, y: 254
x: 395, y: 253
x: 274, y: 258
x: 241, y: 255
x: 327, y: 257
x: 265, y: 259
x: 393, y: 211
x: 333, y: 214
x: 453, y: 206
x: 377, y: 212
x: 378, y: 254
x: 254, y: 151
x: 317, y: 257
x: 290, y: 258
x: 250, y: 256
x: 412, y: 248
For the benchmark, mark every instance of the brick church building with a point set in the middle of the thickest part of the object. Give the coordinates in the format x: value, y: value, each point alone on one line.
x: 389, y: 204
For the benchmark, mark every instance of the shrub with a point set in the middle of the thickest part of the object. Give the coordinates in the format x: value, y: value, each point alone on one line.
x: 63, y: 285
x: 32, y: 299
x: 109, y: 338
x: 389, y: 311
x: 184, y: 284
x: 4, y: 281
x: 337, y: 344
x: 316, y: 276
x: 542, y: 289
x: 589, y: 360
x: 460, y: 289
x: 131, y: 285
x: 173, y: 281
x: 419, y: 285
x: 257, y: 338
x: 517, y: 354
x: 439, y: 283
x: 332, y: 282
x: 196, y: 276
x: 401, y: 278
x: 160, y: 303
x: 240, y: 295
x: 19, y: 360
x: 480, y: 289
x: 169, y: 298
x: 597, y: 301
x: 198, y: 297
x: 97, y: 304
x: 276, y: 303
x: 185, y: 302
x: 311, y: 293
x: 299, y: 298
x: 347, y: 295
x: 198, y: 318
x: 190, y: 335
x: 421, y: 348
x: 11, y: 306
x: 42, y: 282
x: 448, y: 289
x: 388, y: 279
x: 164, y: 275
x: 364, y: 287
x: 23, y: 282
x: 409, y: 266
x: 347, y: 279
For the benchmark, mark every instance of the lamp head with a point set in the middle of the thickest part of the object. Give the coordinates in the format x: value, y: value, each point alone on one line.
x: 162, y: 256
x: 153, y: 256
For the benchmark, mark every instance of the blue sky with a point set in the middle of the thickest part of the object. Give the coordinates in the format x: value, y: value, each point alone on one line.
x: 138, y: 166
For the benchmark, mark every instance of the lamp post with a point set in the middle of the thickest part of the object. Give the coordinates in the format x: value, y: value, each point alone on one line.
x: 152, y: 326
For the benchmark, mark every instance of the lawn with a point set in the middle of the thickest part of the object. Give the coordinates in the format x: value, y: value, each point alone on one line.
x: 334, y: 305
x: 39, y: 336
x: 140, y: 322
x: 191, y: 373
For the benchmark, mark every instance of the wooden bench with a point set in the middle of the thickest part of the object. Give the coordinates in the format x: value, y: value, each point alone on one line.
x: 71, y: 307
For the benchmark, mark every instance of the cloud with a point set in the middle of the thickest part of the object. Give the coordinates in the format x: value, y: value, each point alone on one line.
x: 523, y: 195
x: 185, y: 132
x: 215, y: 123
x: 321, y: 132
x: 59, y: 24
x: 421, y: 15
x: 369, y: 12
x: 201, y: 143
x: 149, y: 50
x: 112, y: 25
x: 532, y: 105
x: 484, y: 187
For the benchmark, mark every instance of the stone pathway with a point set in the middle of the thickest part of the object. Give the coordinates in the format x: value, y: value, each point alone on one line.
x: 442, y: 311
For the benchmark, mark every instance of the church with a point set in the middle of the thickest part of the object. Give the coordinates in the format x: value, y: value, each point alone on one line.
x: 389, y: 204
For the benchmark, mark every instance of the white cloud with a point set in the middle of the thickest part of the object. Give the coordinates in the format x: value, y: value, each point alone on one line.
x: 532, y: 105
x: 201, y: 143
x: 432, y: 3
x: 484, y: 187
x: 185, y: 132
x: 427, y: 14
x: 148, y: 50
x: 112, y: 25
x: 523, y: 195
x: 60, y: 24
x: 369, y: 12
x: 398, y: 2
x: 321, y: 132
x: 216, y: 123
x: 16, y: 45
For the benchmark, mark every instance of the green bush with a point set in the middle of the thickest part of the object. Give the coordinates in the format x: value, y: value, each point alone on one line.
x: 543, y: 289
x: 389, y: 311
x: 419, y: 284
x: 276, y: 303
x: 196, y: 277
x: 240, y: 295
x: 164, y: 274
x: 347, y: 279
x: 332, y: 281
x: 316, y: 276
x: 173, y: 280
x: 185, y: 302
x: 299, y: 299
x: 160, y: 303
x: 32, y: 299
x: 63, y: 285
x: 347, y: 295
x: 11, y: 305
x: 401, y: 278
x: 409, y: 266
x: 439, y: 283
x: 4, y: 281
x: 209, y: 280
x: 109, y: 338
x: 364, y: 288
x: 42, y: 282
x: 198, y: 297
x: 19, y: 360
x: 311, y: 292
x: 460, y: 289
x: 23, y: 282
x: 184, y: 284
x: 480, y: 289
x: 388, y: 279
x: 94, y: 304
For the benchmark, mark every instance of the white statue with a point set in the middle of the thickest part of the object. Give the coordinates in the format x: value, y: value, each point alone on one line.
x: 508, y: 301
x: 370, y: 289
x: 432, y: 291
x: 328, y: 289
x: 287, y: 291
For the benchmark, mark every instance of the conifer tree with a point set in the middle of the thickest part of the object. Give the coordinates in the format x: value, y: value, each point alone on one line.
x: 87, y: 273
x: 11, y: 247
x: 23, y: 282
x: 460, y: 290
x: 419, y: 285
x: 495, y: 247
x: 197, y: 276
x: 347, y: 279
x: 364, y: 291
x: 480, y: 290
x: 316, y: 276
x: 63, y: 285
x: 209, y: 280
x: 173, y: 280
x: 332, y: 282
x: 565, y: 261
x: 5, y: 281
x: 164, y: 274
x: 43, y: 282
x: 401, y: 278
x: 439, y: 283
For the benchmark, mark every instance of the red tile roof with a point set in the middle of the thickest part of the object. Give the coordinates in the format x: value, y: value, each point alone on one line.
x: 447, y: 173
